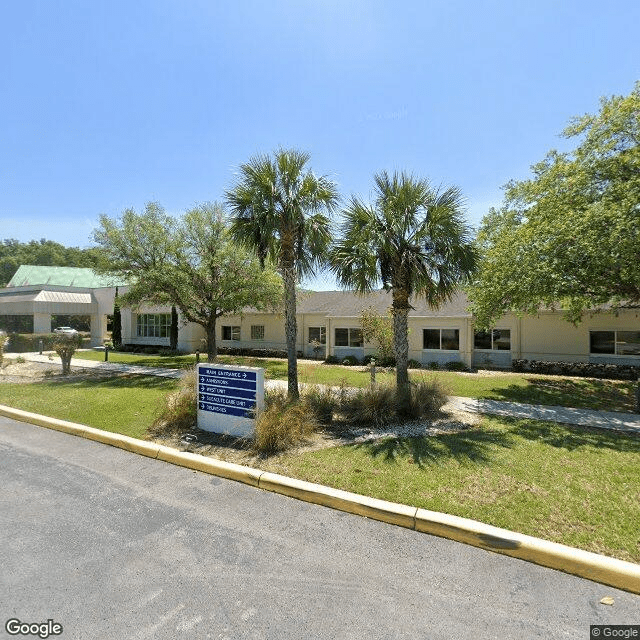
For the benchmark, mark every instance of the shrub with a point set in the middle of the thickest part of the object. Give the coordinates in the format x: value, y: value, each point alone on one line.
x: 388, y: 361
x: 379, y: 405
x: 65, y: 345
x: 179, y: 411
x: 456, y: 365
x: 433, y: 365
x: 282, y: 424
x: 584, y: 369
x: 4, y: 338
x: 349, y: 361
x: 322, y: 402
x: 414, y: 364
x: 26, y: 342
x: 332, y: 360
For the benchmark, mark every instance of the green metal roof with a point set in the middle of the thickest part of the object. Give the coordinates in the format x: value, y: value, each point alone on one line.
x: 83, y: 278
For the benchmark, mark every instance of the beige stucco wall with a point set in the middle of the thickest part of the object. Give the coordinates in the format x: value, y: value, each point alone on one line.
x: 548, y: 336
x: 273, y: 331
x: 416, y: 352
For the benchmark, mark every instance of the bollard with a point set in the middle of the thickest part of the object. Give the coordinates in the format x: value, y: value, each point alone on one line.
x: 41, y: 345
x: 106, y: 353
x: 197, y: 356
x: 373, y: 372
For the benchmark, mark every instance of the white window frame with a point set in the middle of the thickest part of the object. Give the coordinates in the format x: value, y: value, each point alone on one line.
x: 234, y: 332
x: 153, y: 325
x: 441, y: 329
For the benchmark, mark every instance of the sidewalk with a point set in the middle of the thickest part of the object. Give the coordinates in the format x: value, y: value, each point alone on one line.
x: 628, y: 422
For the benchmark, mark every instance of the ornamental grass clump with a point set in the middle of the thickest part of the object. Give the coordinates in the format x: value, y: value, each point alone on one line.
x: 179, y: 409
x: 283, y: 424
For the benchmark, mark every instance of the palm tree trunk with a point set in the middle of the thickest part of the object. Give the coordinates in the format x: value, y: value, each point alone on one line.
x: 401, y: 348
x: 291, y: 331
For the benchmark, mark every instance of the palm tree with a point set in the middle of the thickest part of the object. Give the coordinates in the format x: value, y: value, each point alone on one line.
x: 414, y: 241
x: 278, y: 210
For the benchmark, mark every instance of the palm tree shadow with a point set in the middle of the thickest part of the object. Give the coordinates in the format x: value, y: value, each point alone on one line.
x: 572, y: 437
x: 465, y: 447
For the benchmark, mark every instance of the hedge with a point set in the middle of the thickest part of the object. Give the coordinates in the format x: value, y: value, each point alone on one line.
x: 584, y: 369
x: 29, y: 342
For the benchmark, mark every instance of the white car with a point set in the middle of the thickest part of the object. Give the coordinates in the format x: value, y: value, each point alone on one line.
x: 68, y: 330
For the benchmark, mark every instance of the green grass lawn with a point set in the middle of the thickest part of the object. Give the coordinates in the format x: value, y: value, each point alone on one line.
x: 587, y: 393
x: 125, y: 405
x: 575, y: 486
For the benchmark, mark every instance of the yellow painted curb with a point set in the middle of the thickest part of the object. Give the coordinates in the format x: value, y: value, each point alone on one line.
x: 611, y: 571
x: 228, y: 470
x: 374, y: 508
x: 602, y: 569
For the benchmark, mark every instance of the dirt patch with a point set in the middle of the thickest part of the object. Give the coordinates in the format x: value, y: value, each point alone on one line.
x: 30, y: 372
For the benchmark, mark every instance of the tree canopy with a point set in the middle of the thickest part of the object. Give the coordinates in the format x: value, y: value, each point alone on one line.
x: 190, y: 262
x: 569, y: 237
x: 279, y: 208
x: 42, y: 252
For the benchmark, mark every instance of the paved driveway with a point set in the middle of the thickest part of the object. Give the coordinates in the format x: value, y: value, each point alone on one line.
x: 113, y: 545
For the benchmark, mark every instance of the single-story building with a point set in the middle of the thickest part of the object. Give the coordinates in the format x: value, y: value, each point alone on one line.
x: 37, y: 298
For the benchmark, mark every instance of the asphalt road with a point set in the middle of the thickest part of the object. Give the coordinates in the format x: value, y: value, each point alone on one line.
x: 113, y: 545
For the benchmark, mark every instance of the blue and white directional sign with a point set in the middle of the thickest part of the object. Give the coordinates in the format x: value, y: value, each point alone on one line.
x: 229, y: 397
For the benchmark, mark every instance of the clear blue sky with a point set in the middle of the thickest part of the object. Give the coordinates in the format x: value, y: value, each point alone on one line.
x: 107, y: 105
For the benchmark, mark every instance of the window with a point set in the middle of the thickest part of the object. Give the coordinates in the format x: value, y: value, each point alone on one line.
x: 230, y: 333
x: 620, y: 343
x: 494, y: 340
x: 257, y: 332
x: 444, y: 339
x: 153, y: 325
x: 349, y: 338
x: 319, y: 334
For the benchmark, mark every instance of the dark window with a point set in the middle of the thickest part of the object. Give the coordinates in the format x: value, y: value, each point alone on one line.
x: 16, y: 324
x: 319, y: 334
x: 431, y: 338
x: 342, y: 338
x: 445, y: 339
x: 628, y: 343
x: 230, y: 333
x: 602, y: 341
x: 349, y: 338
x: 482, y: 340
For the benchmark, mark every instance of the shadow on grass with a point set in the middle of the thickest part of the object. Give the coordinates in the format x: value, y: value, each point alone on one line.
x: 570, y: 437
x: 581, y: 393
x: 474, y: 446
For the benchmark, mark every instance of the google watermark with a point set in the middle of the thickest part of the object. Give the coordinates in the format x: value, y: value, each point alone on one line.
x: 15, y: 627
x: 614, y: 631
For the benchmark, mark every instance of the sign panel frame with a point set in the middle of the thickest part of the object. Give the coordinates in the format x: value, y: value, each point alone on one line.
x: 228, y: 398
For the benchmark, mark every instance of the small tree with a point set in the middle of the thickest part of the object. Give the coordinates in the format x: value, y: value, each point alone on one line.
x: 173, y: 332
x: 378, y: 329
x: 65, y: 345
x: 116, y: 333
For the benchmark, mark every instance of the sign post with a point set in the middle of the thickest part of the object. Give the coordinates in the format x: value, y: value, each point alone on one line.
x: 229, y: 397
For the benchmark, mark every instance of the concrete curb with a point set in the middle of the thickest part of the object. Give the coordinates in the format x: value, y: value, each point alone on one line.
x: 610, y: 571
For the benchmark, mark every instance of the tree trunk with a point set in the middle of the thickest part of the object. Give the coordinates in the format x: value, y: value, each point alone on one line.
x: 291, y: 330
x: 401, y: 348
x: 173, y: 334
x: 66, y: 363
x: 212, y: 347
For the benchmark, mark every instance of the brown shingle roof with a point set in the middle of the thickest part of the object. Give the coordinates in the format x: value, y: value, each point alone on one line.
x: 349, y: 304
